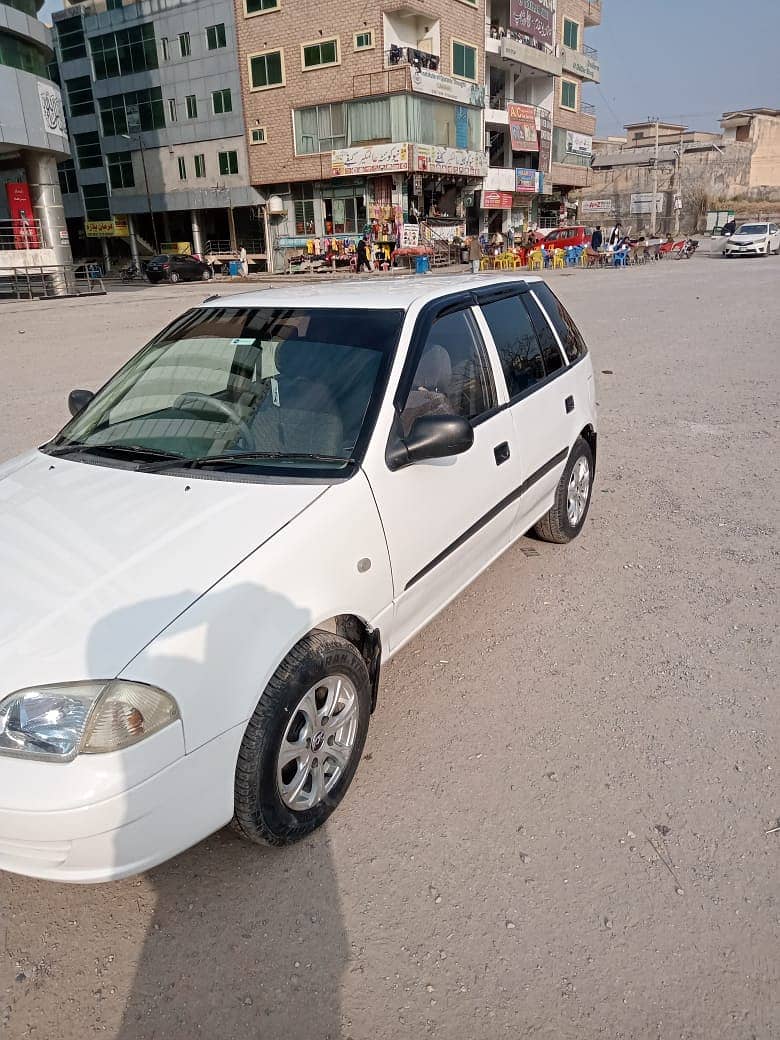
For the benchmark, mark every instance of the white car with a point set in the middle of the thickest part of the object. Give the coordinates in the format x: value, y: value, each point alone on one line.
x: 204, y: 572
x: 758, y: 239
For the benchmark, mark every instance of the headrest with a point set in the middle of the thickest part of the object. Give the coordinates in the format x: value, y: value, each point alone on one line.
x: 434, y: 371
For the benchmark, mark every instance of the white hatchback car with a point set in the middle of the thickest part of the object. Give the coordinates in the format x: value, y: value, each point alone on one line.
x: 756, y: 239
x: 205, y: 570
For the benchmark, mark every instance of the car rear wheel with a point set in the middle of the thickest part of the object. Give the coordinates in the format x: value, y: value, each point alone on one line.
x: 566, y: 518
x: 206, y: 275
x: 173, y: 277
x: 303, y: 742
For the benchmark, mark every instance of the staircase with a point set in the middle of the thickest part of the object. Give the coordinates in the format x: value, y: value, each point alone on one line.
x: 445, y: 253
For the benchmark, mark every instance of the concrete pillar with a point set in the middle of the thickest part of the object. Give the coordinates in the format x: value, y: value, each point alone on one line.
x: 197, y: 239
x: 48, y: 209
x: 166, y: 222
x: 132, y: 241
x: 232, y: 230
x: 106, y: 255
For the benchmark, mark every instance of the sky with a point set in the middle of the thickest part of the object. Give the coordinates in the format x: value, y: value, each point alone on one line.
x: 688, y: 61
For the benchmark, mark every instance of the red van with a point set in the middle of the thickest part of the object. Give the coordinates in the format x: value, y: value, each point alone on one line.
x: 563, y: 237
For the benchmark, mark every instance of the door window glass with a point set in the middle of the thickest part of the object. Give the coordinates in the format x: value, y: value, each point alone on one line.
x: 452, y: 376
x: 570, y: 335
x: 551, y: 351
x: 515, y: 338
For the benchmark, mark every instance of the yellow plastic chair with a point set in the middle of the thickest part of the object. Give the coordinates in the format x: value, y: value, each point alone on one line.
x: 535, y: 260
x: 485, y: 263
x: 559, y: 258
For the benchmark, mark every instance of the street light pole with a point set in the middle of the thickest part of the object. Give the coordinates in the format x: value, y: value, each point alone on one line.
x: 148, y: 194
x: 654, y: 212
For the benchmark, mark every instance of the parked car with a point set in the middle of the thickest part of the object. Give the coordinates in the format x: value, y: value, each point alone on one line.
x: 208, y: 567
x: 756, y: 239
x: 175, y: 267
x: 562, y: 238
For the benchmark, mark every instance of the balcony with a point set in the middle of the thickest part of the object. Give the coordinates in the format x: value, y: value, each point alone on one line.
x: 588, y: 109
x: 592, y: 13
x: 511, y: 46
x: 411, y: 56
x: 584, y: 64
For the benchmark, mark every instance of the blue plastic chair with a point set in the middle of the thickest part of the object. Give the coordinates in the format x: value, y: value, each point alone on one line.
x: 621, y: 258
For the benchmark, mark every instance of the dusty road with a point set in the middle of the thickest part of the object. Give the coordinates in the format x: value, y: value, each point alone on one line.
x: 558, y: 829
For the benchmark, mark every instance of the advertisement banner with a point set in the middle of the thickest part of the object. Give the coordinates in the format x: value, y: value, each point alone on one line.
x: 532, y: 18
x: 522, y: 128
x: 431, y: 158
x: 545, y: 140
x: 378, y: 158
x: 526, y: 181
x: 496, y: 200
x: 425, y: 81
x: 596, y: 206
x: 579, y: 144
x: 642, y: 202
x: 51, y: 109
x: 116, y: 228
x: 22, y: 219
x: 410, y: 235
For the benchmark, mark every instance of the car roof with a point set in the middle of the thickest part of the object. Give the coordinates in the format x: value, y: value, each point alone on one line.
x: 370, y: 292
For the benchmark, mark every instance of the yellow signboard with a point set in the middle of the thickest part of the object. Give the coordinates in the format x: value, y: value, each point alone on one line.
x: 116, y: 228
x: 179, y: 248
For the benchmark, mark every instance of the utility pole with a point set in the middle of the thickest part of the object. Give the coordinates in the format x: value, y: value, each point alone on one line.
x: 654, y: 211
x: 148, y: 194
x: 678, y: 189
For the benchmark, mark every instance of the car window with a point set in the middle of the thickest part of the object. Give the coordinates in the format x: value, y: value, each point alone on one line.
x: 570, y: 335
x: 551, y: 351
x: 515, y: 338
x: 452, y: 376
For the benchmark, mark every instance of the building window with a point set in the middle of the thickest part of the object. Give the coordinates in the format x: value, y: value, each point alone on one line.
x: 114, y: 5
x: 172, y: 109
x: 221, y: 101
x: 266, y: 70
x: 125, y: 51
x: 70, y: 33
x: 303, y: 203
x: 258, y: 135
x: 80, y: 100
x: 320, y: 128
x: 88, y: 150
x: 66, y: 172
x: 138, y: 110
x: 120, y: 169
x: 464, y: 60
x: 228, y: 163
x: 165, y: 49
x: 184, y: 45
x: 260, y: 6
x: 200, y: 165
x: 191, y: 102
x: 345, y: 211
x: 182, y: 168
x: 96, y: 201
x: 215, y: 36
x: 569, y: 94
x: 571, y: 34
x: 323, y: 52
x: 364, y: 41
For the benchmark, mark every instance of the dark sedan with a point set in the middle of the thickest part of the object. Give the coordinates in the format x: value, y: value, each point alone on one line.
x: 178, y: 268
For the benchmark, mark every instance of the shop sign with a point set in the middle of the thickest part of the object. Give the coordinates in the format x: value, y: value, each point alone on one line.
x: 545, y: 140
x: 378, y: 158
x: 410, y: 235
x: 596, y: 206
x: 51, y: 109
x: 430, y: 158
x: 116, y: 228
x: 522, y: 128
x: 417, y: 185
x: 425, y: 81
x: 526, y: 181
x: 533, y: 18
x: 177, y: 248
x: 22, y: 220
x: 581, y: 64
x: 497, y: 200
x: 579, y: 144
x: 642, y: 202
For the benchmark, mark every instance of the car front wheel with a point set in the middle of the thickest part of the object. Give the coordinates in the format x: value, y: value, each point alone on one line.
x: 206, y: 275
x: 303, y: 742
x: 566, y: 518
x: 173, y: 277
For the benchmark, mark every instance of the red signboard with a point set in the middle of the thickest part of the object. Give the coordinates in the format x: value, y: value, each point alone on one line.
x: 532, y: 18
x: 496, y: 200
x: 522, y: 128
x: 23, y: 222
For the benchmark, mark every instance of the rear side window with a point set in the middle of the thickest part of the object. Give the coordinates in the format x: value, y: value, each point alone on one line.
x: 570, y: 335
x: 515, y: 338
x: 551, y: 352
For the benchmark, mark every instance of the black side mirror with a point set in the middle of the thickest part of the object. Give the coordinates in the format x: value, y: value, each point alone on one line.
x: 431, y: 437
x: 78, y: 400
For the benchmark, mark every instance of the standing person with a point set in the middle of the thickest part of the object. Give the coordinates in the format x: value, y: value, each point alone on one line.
x: 615, y: 235
x: 510, y: 237
x: 362, y: 255
x: 597, y: 239
x: 475, y: 254
x: 244, y: 262
x: 730, y: 227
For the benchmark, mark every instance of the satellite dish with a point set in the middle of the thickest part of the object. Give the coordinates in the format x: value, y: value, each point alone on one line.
x: 276, y: 206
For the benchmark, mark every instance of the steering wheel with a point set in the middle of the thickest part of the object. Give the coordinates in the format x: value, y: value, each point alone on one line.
x: 216, y: 404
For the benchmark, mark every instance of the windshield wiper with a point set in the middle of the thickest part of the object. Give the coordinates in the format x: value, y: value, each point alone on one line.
x: 246, y: 456
x: 128, y: 451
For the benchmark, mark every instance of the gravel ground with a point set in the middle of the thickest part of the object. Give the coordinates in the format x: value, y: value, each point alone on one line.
x: 558, y: 828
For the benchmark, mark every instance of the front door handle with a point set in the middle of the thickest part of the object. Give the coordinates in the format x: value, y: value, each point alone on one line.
x: 569, y: 404
x: 501, y: 452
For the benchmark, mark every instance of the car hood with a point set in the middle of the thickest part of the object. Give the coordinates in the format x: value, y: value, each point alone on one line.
x: 95, y: 561
x: 747, y: 239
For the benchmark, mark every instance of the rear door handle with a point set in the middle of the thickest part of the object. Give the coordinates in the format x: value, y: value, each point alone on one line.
x: 569, y: 404
x: 501, y: 452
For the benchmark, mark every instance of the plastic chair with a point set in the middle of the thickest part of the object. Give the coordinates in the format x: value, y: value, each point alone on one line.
x: 559, y: 259
x: 620, y: 258
x: 486, y: 263
x: 535, y: 260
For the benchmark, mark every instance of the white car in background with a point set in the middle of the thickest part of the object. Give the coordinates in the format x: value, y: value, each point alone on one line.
x: 204, y: 572
x: 755, y: 239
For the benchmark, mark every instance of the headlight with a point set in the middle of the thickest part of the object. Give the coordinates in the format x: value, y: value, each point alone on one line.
x: 57, y: 723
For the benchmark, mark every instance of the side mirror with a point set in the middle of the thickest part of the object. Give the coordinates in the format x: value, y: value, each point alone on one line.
x: 78, y: 400
x: 431, y: 437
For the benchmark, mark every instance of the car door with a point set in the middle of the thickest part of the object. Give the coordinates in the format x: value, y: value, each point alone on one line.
x: 774, y: 232
x: 445, y: 519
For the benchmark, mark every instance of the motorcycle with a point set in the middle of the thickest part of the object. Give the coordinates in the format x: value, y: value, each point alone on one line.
x: 688, y: 249
x: 130, y: 273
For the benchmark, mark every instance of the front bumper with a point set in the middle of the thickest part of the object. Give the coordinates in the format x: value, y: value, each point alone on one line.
x: 754, y: 250
x: 87, y: 821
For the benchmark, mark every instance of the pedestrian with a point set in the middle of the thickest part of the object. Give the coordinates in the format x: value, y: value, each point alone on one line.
x: 244, y: 262
x: 475, y: 254
x: 615, y: 235
x: 510, y: 237
x: 596, y: 239
x: 730, y: 227
x: 362, y: 255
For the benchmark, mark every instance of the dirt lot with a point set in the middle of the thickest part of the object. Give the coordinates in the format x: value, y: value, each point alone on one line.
x: 558, y: 829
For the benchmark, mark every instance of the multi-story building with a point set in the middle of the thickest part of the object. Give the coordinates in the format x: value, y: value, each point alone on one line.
x: 153, y: 98
x: 574, y: 120
x: 33, y: 137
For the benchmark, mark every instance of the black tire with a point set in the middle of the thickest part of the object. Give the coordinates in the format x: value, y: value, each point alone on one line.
x: 555, y: 525
x: 261, y: 815
x: 206, y: 275
x: 173, y: 277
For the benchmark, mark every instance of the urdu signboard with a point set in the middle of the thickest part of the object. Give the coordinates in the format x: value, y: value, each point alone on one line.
x: 532, y: 18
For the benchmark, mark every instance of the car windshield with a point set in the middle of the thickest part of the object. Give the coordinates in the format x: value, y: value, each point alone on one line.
x: 752, y: 229
x: 260, y: 388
